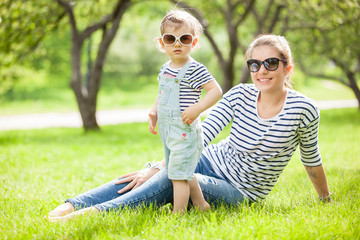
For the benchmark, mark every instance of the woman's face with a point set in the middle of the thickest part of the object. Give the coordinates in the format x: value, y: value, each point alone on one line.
x: 268, y: 81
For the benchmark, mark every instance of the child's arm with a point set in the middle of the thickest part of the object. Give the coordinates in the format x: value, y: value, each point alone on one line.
x: 153, y: 118
x: 213, y: 94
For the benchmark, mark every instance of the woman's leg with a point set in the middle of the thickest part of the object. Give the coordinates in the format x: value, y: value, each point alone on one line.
x: 219, y: 191
x: 97, y: 195
x: 215, y: 189
x: 158, y: 190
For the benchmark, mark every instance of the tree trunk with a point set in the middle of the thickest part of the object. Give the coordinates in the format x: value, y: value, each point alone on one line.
x: 354, y: 86
x: 86, y: 94
x: 86, y: 107
x: 88, y: 113
x: 245, y: 75
x: 228, y: 80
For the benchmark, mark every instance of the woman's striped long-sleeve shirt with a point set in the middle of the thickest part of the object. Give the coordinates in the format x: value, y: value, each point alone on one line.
x: 257, y: 150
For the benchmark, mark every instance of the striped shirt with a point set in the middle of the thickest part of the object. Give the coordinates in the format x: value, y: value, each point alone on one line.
x: 257, y: 150
x: 191, y: 85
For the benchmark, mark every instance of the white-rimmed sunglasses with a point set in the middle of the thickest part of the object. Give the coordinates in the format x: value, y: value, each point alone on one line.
x: 170, y: 39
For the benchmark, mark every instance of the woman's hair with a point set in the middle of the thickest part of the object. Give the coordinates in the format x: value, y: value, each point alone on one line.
x: 279, y: 43
x: 177, y: 18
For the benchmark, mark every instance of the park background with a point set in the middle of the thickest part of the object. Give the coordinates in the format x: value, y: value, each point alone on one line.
x: 41, y: 168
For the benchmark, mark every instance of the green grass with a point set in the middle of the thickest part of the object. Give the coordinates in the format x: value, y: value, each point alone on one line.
x: 41, y: 168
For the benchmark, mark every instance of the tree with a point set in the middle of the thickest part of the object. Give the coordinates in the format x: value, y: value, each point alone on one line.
x: 23, y: 25
x: 332, y: 30
x: 86, y: 91
x: 255, y: 16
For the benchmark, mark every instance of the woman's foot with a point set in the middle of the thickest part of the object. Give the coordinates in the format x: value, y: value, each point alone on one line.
x: 74, y: 214
x: 61, y: 210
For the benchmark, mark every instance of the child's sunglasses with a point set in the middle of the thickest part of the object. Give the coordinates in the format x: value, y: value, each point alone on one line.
x: 185, y: 39
x: 270, y: 64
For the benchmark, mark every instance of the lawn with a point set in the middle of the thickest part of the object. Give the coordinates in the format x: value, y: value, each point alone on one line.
x: 41, y: 168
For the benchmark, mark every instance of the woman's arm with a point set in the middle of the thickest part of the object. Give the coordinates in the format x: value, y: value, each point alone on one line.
x: 318, y: 178
x: 310, y: 154
x: 219, y: 117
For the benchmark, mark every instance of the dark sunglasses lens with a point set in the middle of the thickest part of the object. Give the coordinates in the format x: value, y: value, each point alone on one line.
x: 186, y: 39
x: 169, y: 39
x: 253, y: 65
x: 271, y: 64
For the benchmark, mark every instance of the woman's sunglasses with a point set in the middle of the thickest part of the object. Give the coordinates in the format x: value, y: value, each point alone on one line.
x: 270, y: 64
x: 185, y: 39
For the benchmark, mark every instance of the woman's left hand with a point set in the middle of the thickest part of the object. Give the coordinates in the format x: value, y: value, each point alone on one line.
x: 135, y: 179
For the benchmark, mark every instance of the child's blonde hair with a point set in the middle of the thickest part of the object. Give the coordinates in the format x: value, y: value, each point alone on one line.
x: 179, y: 17
x: 278, y: 42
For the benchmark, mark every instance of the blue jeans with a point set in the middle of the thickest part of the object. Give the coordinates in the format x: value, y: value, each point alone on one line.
x: 158, y: 190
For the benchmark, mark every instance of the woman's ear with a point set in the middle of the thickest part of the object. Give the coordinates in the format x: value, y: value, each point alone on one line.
x: 289, y: 68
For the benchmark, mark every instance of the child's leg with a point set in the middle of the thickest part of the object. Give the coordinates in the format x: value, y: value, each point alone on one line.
x: 181, y: 195
x: 62, y: 210
x: 196, y: 195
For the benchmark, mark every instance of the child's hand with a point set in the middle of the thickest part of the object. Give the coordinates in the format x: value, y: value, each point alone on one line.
x: 190, y: 114
x: 152, y: 122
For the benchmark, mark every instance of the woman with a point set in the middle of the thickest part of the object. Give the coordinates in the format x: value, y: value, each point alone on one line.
x: 269, y: 121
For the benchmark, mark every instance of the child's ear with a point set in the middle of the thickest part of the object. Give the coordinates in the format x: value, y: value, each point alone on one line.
x: 161, y: 42
x: 160, y: 45
x: 195, y: 42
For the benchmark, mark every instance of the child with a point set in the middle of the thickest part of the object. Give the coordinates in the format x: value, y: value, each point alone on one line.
x: 177, y: 107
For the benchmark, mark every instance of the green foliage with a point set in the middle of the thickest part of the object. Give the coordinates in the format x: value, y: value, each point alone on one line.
x: 53, y: 56
x: 332, y: 32
x: 40, y: 168
x: 90, y: 12
x: 133, y: 61
x: 23, y: 24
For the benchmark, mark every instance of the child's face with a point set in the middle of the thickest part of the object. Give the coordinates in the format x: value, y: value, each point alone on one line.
x: 178, y: 52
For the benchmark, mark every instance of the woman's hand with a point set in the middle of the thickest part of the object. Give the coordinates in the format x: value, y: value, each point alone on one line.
x: 136, y: 179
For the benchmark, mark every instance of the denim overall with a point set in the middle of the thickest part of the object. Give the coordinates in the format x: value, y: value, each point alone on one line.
x: 182, y: 143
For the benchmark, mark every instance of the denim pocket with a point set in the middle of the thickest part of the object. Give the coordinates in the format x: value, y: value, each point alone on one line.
x: 164, y: 94
x: 200, y: 139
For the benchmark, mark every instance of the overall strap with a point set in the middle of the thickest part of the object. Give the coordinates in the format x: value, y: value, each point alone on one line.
x: 183, y: 70
x: 163, y: 68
